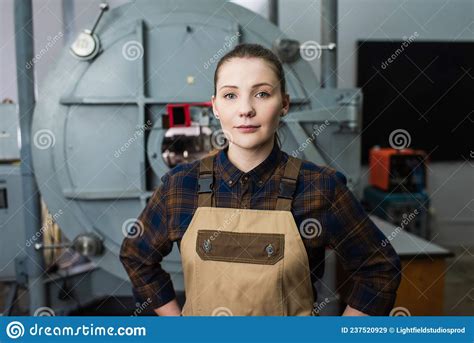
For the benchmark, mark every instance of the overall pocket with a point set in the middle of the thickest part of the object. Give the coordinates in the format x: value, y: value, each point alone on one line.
x: 239, y: 273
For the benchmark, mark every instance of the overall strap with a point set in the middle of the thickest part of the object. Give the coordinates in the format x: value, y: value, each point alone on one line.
x: 206, y: 179
x: 288, y: 184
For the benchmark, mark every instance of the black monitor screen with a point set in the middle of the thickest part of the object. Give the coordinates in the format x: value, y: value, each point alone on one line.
x: 423, y: 88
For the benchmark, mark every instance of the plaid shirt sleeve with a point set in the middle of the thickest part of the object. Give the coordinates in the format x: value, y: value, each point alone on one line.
x: 141, y: 256
x: 374, y: 267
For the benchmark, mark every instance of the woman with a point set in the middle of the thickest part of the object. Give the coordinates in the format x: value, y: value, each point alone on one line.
x: 252, y: 222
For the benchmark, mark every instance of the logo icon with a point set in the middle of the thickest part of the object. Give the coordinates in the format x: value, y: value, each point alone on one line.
x: 222, y: 312
x: 15, y: 329
x: 310, y: 50
x: 132, y: 50
x: 44, y: 139
x: 400, y: 312
x: 399, y: 139
x: 310, y: 228
x: 44, y: 312
x: 220, y: 139
x: 132, y: 228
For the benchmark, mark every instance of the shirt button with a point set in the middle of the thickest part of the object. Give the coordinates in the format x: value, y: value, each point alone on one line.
x: 230, y: 182
x: 260, y: 183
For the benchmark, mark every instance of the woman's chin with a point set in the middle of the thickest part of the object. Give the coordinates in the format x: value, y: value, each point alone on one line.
x: 248, y: 142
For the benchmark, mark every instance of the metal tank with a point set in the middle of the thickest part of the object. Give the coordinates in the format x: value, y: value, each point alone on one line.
x: 101, y: 127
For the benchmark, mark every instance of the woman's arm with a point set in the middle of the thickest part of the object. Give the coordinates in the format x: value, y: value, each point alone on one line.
x: 142, y: 252
x: 373, y: 265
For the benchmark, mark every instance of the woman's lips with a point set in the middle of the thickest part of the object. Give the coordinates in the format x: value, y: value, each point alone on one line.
x: 247, y: 128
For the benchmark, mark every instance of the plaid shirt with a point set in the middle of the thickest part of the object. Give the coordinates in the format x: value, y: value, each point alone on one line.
x: 321, y: 199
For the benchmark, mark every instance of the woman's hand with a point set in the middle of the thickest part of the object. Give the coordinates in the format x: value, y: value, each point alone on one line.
x: 349, y: 311
x: 169, y: 309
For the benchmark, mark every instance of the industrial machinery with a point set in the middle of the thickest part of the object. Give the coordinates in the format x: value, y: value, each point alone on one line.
x: 397, y: 188
x: 128, y: 100
x: 397, y: 170
x: 11, y: 200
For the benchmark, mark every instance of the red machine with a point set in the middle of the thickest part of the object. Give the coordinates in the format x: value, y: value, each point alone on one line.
x: 180, y: 114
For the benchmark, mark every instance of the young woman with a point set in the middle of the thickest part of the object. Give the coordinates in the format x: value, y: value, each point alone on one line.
x: 252, y: 223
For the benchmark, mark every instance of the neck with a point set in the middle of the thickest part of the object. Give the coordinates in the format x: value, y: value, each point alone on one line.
x: 247, y: 159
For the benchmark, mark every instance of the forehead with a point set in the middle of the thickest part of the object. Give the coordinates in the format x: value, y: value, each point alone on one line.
x: 246, y: 71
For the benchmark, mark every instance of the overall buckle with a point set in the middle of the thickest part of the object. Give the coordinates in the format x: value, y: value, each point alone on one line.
x: 205, y: 184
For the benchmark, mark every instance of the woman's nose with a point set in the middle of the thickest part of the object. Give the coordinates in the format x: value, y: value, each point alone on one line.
x: 247, y: 111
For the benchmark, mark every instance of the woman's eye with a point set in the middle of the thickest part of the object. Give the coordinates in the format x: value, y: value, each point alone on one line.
x: 262, y: 95
x: 229, y: 96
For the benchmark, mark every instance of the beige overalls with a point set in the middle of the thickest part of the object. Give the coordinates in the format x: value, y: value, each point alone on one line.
x: 244, y: 262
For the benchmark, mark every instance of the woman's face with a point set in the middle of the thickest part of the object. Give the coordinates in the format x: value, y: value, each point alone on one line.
x: 248, y: 94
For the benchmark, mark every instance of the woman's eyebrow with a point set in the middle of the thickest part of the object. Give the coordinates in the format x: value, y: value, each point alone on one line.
x: 228, y: 86
x: 262, y: 84
x: 254, y: 86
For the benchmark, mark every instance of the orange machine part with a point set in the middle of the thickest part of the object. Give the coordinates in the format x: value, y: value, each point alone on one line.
x: 379, y: 163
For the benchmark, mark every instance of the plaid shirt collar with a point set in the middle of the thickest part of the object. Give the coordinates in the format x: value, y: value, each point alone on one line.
x: 260, y: 174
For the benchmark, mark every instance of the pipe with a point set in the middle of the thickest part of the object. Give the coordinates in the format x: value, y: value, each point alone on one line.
x: 328, y: 37
x: 23, y: 12
x: 68, y: 20
x: 273, y: 11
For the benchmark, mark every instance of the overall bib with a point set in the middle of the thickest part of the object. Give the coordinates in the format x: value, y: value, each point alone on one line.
x: 245, y: 262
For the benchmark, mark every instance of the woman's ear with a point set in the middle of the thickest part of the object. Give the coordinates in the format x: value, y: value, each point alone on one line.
x: 214, y: 108
x: 285, y: 104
